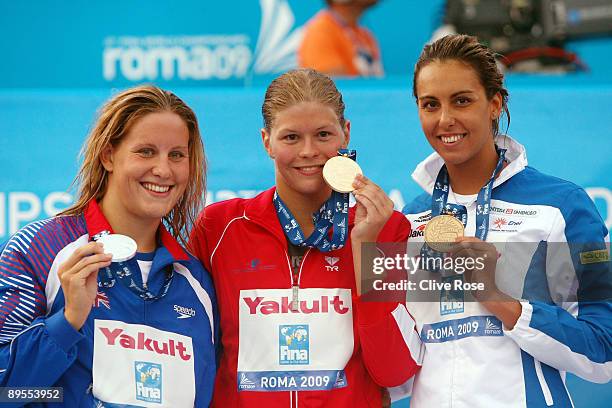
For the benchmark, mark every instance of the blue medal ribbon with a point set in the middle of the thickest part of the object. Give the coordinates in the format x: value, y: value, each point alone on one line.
x: 333, y: 214
x: 119, y: 270
x: 440, y: 205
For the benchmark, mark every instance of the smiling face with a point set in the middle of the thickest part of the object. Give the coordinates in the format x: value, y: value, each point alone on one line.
x: 455, y: 114
x: 148, y: 170
x: 301, y: 139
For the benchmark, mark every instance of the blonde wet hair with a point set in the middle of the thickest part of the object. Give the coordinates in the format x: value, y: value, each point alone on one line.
x: 301, y: 85
x: 114, y: 121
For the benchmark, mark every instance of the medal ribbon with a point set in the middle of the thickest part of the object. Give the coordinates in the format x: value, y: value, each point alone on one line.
x: 441, y: 206
x: 333, y: 214
x: 483, y: 201
x: 119, y: 270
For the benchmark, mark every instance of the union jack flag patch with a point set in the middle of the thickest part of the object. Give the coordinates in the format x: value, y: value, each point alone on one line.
x: 101, y: 299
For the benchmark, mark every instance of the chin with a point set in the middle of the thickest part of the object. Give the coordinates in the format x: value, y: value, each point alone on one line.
x: 454, y: 158
x: 313, y: 189
x: 155, y: 211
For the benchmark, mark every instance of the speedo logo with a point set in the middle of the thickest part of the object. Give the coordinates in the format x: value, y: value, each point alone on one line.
x: 119, y: 338
x: 184, y: 312
x: 322, y: 305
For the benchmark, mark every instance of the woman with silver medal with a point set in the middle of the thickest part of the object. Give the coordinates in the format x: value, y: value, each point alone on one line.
x: 539, y: 311
x: 295, y: 329
x: 105, y: 302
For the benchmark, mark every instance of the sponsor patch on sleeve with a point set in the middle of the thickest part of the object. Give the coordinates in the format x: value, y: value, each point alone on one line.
x: 591, y: 257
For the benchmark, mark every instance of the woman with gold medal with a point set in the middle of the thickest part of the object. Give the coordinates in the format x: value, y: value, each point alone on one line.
x: 545, y: 308
x: 295, y: 329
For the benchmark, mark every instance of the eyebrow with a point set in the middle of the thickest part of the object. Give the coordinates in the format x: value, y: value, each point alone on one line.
x: 452, y: 96
x: 288, y: 130
x: 141, y: 145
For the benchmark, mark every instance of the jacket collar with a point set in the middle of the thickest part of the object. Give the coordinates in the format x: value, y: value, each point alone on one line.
x: 260, y: 209
x: 96, y: 223
x: 427, y: 171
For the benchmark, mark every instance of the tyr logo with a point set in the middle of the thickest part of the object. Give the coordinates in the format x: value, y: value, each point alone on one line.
x: 331, y: 263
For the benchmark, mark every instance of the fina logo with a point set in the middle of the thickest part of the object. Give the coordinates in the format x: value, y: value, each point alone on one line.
x: 293, y: 344
x: 148, y: 381
x: 206, y: 57
x: 331, y: 263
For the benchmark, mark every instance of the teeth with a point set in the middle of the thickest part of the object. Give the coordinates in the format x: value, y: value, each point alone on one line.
x: 309, y: 168
x: 156, y: 188
x: 452, y: 139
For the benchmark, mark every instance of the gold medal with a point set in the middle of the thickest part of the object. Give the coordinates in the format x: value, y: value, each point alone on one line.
x: 339, y: 173
x: 440, y: 233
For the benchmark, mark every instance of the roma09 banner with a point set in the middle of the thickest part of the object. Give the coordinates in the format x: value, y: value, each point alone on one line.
x: 118, y: 43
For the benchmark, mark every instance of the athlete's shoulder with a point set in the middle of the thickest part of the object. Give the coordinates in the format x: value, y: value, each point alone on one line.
x: 33, y: 248
x: 419, y: 204
x: 532, y: 187
x: 47, y: 236
x: 577, y: 210
x: 197, y: 270
x: 221, y: 212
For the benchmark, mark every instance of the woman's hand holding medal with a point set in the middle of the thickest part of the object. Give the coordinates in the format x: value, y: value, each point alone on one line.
x: 78, y: 276
x: 373, y: 207
x: 486, y: 254
x: 372, y: 211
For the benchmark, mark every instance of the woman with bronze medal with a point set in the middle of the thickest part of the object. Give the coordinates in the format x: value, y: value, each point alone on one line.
x: 541, y: 294
x: 102, y: 301
x: 286, y: 265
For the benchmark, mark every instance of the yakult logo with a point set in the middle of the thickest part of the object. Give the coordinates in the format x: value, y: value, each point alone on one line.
x: 140, y: 341
x: 266, y: 307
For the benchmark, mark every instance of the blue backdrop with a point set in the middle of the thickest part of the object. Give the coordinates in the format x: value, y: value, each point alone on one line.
x: 60, y: 62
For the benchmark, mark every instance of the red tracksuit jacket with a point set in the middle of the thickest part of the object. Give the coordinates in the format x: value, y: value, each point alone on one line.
x: 330, y: 349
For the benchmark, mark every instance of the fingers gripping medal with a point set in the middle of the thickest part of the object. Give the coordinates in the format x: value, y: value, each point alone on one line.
x: 441, y: 232
x: 122, y: 247
x: 339, y: 173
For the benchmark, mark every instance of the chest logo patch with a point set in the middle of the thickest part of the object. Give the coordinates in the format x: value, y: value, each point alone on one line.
x: 293, y: 344
x: 331, y: 263
x: 148, y: 381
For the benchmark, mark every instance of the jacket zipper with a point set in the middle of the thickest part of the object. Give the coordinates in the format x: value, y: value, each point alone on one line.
x: 295, y: 286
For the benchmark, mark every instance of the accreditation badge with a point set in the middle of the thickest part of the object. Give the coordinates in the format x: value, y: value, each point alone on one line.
x: 294, y: 347
x: 138, y: 365
x: 451, y: 301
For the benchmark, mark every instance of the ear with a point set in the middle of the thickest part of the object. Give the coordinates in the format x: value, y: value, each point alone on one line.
x: 495, y: 106
x: 265, y: 139
x: 107, y: 158
x: 347, y: 134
